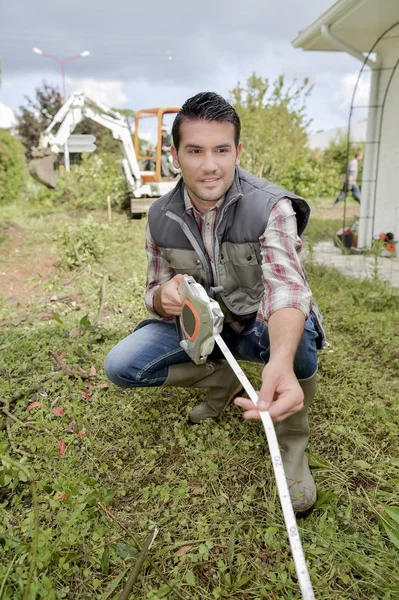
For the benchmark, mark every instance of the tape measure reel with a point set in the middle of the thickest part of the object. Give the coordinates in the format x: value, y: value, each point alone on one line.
x: 201, y: 318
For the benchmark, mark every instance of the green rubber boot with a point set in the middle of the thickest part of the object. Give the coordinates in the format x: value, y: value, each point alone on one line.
x: 293, y: 437
x: 223, y: 386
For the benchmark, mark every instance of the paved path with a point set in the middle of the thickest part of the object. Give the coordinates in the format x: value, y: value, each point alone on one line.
x: 357, y: 265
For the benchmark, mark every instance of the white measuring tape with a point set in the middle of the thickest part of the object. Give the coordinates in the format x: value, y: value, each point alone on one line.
x: 199, y: 327
x: 282, y: 487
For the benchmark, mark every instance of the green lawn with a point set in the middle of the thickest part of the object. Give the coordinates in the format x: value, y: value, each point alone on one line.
x: 209, y: 489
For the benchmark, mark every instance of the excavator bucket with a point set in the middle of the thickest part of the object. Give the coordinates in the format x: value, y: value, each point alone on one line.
x: 41, y: 167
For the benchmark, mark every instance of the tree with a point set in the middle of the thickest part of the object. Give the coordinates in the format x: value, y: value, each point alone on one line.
x: 273, y: 122
x: 36, y: 116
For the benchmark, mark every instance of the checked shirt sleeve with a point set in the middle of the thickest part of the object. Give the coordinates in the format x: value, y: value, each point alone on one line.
x: 282, y: 273
x: 157, y: 273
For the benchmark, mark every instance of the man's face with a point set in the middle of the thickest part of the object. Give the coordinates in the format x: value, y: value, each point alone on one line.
x: 207, y: 158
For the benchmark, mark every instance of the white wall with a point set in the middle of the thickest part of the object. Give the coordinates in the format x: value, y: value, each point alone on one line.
x: 386, y: 211
x: 380, y: 201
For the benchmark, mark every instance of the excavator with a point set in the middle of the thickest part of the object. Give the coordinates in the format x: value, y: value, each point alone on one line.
x: 143, y: 174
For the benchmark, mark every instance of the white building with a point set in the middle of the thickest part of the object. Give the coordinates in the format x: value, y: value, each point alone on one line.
x: 322, y: 139
x: 355, y: 26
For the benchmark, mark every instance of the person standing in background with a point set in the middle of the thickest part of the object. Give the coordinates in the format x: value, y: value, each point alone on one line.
x: 350, y: 181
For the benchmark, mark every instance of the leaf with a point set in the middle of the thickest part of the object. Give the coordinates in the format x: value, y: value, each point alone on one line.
x: 58, y: 319
x: 75, y: 333
x: 62, y: 355
x: 61, y: 496
x: 197, y: 489
x: 125, y: 550
x: 317, y: 461
x: 57, y: 411
x: 104, y: 564
x: 244, y: 580
x: 85, y: 322
x: 61, y: 447
x: 232, y: 545
x: 113, y: 585
x: 183, y: 550
x: 392, y: 511
x: 92, y: 372
x: 72, y: 427
x: 391, y: 531
x: 33, y: 405
x: 103, y: 386
x: 81, y: 434
x: 362, y: 464
x: 190, y: 577
x: 85, y: 395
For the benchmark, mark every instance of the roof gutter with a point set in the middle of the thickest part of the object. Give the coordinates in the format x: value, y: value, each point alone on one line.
x: 344, y: 47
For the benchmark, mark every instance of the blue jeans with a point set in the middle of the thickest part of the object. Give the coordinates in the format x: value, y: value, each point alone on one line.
x: 142, y: 359
x: 355, y: 193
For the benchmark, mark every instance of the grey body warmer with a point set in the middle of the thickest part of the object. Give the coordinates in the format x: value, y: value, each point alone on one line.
x: 244, y: 217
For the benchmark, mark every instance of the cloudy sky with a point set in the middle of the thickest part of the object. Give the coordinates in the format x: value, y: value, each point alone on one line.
x: 145, y: 54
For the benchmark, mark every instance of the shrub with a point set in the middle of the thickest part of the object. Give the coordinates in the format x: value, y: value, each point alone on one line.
x: 89, y: 183
x: 12, y: 168
x: 312, y: 176
x: 82, y: 244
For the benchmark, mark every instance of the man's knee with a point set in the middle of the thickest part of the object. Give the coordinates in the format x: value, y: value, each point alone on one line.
x: 119, y: 371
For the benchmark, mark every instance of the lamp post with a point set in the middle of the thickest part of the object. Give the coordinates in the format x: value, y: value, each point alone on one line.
x: 62, y: 62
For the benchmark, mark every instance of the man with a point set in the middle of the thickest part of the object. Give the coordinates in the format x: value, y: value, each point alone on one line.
x: 165, y: 152
x: 237, y: 235
x: 350, y: 181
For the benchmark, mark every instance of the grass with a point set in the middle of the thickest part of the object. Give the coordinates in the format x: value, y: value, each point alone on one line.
x: 209, y: 489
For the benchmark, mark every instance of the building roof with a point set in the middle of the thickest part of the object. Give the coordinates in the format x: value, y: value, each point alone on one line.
x: 356, y: 22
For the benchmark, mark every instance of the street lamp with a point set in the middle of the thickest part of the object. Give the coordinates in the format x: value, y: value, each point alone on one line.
x: 62, y: 62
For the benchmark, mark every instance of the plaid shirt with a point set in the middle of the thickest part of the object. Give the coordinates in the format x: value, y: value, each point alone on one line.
x: 282, y: 273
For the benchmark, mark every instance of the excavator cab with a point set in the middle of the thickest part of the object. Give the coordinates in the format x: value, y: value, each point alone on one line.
x: 156, y: 166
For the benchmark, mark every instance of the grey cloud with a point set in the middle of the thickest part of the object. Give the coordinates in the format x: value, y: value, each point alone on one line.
x: 131, y: 40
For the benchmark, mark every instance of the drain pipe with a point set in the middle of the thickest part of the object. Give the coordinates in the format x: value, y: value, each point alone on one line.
x: 365, y: 217
x: 343, y: 47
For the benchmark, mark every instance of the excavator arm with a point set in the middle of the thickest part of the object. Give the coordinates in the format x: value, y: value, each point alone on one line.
x: 76, y: 108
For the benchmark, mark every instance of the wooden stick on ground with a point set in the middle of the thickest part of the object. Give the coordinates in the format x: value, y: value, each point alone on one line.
x: 127, y: 590
x: 178, y: 594
x: 68, y: 370
x: 103, y: 293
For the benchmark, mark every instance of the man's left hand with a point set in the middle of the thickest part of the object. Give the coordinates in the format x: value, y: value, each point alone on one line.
x: 280, y: 394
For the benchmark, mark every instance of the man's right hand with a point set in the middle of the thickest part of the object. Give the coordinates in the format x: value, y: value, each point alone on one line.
x: 167, y: 300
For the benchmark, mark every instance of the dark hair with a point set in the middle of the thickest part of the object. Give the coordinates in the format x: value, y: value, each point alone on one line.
x: 206, y: 106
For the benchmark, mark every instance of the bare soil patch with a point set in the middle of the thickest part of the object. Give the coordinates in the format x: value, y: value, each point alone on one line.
x: 25, y: 264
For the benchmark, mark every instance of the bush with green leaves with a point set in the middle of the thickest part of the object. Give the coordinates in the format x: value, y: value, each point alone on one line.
x: 89, y: 183
x: 311, y: 176
x: 82, y: 244
x: 12, y: 168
